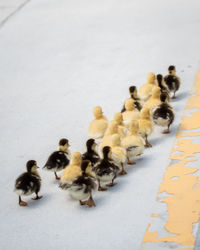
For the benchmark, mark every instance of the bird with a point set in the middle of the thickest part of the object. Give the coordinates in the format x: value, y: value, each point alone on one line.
x: 81, y: 186
x: 106, y: 141
x: 28, y: 182
x: 118, y: 153
x: 163, y: 87
x: 106, y: 170
x: 131, y: 112
x: 172, y: 80
x: 137, y: 102
x: 154, y: 100
x: 163, y: 114
x: 145, y: 125
x: 99, y: 125
x: 122, y: 130
x: 60, y: 159
x: 91, y: 153
x: 133, y: 142
x: 146, y: 89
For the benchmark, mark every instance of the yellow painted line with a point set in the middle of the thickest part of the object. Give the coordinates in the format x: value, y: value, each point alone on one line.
x: 181, y: 183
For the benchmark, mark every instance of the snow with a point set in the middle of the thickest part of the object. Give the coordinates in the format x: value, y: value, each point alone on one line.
x: 59, y: 59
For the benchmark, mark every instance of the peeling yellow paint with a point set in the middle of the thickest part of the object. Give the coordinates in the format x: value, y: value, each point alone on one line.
x: 154, y: 215
x: 179, y: 182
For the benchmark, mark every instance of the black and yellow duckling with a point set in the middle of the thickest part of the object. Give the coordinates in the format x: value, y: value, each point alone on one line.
x: 163, y: 114
x: 81, y: 187
x: 163, y: 87
x: 59, y: 160
x: 91, y: 153
x: 28, y: 182
x: 172, y: 80
x: 136, y: 99
x: 106, y: 170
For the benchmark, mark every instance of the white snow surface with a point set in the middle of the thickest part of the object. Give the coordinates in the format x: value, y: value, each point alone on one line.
x: 59, y: 59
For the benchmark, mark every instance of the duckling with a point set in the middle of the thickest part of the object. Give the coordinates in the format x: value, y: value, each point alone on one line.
x: 122, y: 130
x: 106, y: 170
x: 154, y: 100
x: 136, y: 99
x: 163, y: 114
x: 60, y: 159
x: 28, y: 182
x: 163, y: 87
x: 118, y: 153
x: 91, y: 153
x: 106, y: 141
x: 73, y: 171
x: 146, y: 89
x: 99, y: 125
x: 172, y: 80
x: 133, y: 142
x: 145, y: 125
x: 131, y: 112
x: 81, y: 187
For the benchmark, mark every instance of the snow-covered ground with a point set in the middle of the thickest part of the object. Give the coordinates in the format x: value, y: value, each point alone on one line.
x: 59, y: 59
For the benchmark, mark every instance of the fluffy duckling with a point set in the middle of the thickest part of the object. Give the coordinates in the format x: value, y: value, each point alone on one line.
x: 154, y: 100
x: 131, y: 112
x: 99, y: 125
x: 145, y: 125
x: 133, y: 142
x: 146, y: 89
x: 172, y: 80
x: 91, y: 153
x: 28, y: 182
x: 60, y: 159
x: 106, y: 170
x: 163, y: 114
x: 122, y: 130
x: 106, y: 141
x: 135, y: 97
x: 118, y: 153
x: 73, y: 171
x: 163, y: 87
x: 81, y: 187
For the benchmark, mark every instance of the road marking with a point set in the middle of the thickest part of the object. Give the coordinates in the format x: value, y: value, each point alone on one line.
x: 178, y: 204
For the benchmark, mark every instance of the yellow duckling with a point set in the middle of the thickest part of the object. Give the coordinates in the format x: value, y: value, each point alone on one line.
x: 146, y: 90
x: 107, y: 139
x: 131, y: 112
x: 154, y: 100
x: 99, y: 125
x: 118, y: 153
x: 73, y: 171
x: 122, y: 131
x: 145, y: 125
x: 133, y: 142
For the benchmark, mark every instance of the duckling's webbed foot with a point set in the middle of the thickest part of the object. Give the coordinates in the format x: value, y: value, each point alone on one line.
x: 111, y: 184
x: 82, y: 203
x: 22, y: 203
x: 147, y: 145
x: 90, y: 202
x: 167, y: 131
x: 37, y: 197
x: 100, y: 188
x: 131, y: 162
x: 57, y: 178
x: 123, y: 172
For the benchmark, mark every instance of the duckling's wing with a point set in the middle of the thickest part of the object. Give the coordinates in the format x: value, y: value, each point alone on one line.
x: 85, y: 182
x: 57, y: 159
x: 27, y: 182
